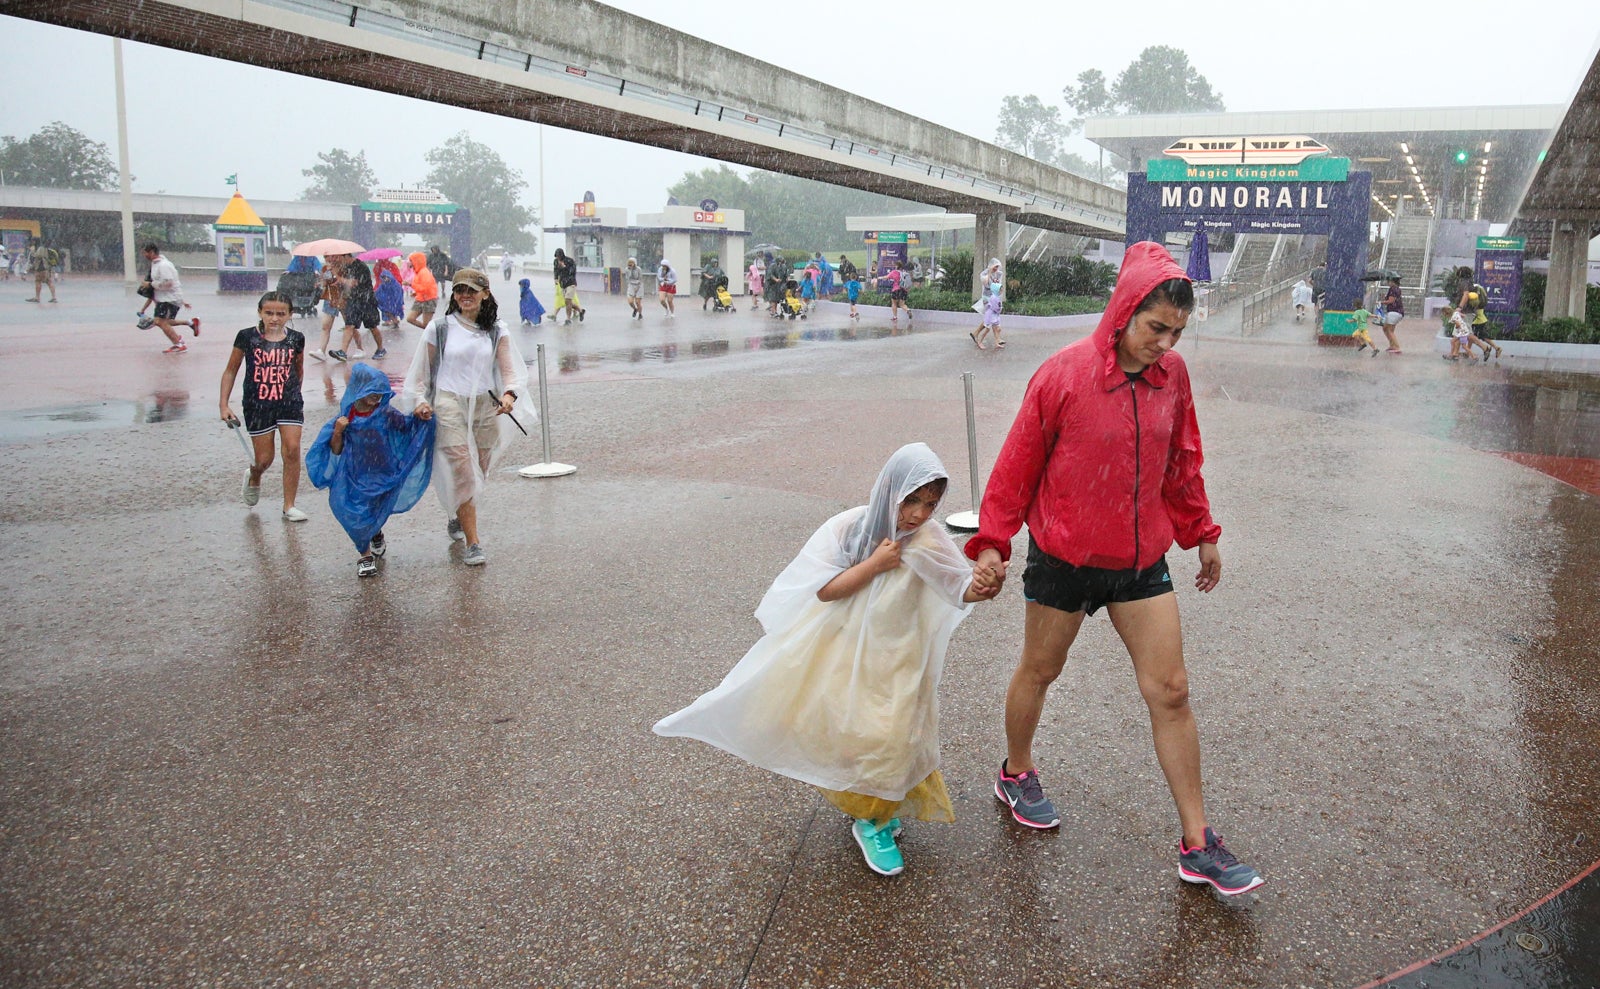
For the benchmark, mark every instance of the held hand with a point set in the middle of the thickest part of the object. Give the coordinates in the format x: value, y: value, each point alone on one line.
x: 507, y: 403
x: 424, y: 411
x: 339, y: 424
x: 990, y: 560
x: 886, y: 557
x: 1210, y: 574
x: 227, y: 413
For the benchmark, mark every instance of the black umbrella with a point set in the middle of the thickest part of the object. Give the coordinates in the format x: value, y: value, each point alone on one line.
x: 1380, y: 275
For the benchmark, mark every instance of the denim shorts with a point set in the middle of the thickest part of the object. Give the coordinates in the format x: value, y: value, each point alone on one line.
x: 1060, y: 585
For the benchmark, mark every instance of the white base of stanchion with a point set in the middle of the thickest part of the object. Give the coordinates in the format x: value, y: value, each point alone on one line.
x: 966, y: 521
x: 547, y: 470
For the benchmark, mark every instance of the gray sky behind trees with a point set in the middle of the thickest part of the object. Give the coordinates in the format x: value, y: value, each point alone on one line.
x: 951, y: 62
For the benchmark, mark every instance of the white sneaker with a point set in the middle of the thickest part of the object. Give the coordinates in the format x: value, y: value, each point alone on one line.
x: 250, y: 493
x: 357, y: 354
x: 315, y: 355
x: 294, y: 515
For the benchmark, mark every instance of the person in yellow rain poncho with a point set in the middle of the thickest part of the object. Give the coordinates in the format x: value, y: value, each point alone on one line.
x: 842, y: 690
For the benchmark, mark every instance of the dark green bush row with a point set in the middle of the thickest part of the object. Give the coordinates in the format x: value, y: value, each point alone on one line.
x: 1560, y: 330
x: 936, y: 300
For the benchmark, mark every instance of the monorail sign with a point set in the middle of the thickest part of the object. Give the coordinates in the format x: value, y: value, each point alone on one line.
x: 1316, y: 196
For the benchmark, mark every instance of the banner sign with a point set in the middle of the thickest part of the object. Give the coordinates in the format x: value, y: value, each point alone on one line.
x: 1310, y: 170
x: 891, y: 237
x: 582, y: 209
x: 375, y: 206
x: 1499, y: 269
x: 709, y: 216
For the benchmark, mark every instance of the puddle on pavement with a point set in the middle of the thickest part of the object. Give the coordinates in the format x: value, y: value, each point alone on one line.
x: 666, y: 352
x: 33, y: 424
x: 1551, y: 947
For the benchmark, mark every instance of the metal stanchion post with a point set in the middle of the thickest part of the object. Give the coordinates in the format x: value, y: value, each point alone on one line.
x: 546, y: 467
x: 968, y: 521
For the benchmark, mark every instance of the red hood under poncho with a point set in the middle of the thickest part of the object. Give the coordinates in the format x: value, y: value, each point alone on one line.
x: 1104, y: 469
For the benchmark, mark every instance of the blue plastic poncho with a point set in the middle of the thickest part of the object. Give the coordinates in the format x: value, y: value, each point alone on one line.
x: 300, y: 263
x: 532, y: 311
x: 386, y: 463
x: 391, y: 297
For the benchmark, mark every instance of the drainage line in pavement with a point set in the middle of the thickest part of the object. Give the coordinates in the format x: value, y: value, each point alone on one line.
x: 744, y: 978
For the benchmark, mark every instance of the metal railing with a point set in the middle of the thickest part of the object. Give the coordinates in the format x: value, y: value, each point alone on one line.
x: 1259, y: 308
x: 378, y: 22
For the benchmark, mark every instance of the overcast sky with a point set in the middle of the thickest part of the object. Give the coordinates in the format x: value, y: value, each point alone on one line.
x: 196, y: 120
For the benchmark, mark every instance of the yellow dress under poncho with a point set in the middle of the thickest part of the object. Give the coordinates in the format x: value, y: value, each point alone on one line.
x: 844, y: 694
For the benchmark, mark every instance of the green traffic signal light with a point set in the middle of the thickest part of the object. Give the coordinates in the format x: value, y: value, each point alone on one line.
x: 1463, y: 156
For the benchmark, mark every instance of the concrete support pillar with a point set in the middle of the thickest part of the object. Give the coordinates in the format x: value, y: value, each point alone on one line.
x: 1569, y: 268
x: 679, y: 249
x: 988, y: 241
x: 733, y: 263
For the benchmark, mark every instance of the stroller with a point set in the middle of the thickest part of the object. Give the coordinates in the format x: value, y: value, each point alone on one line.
x: 792, y: 305
x: 301, y: 284
x: 723, y: 299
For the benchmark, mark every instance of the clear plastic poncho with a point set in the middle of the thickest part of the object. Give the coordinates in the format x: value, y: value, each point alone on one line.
x: 459, y: 471
x: 844, y: 694
x: 384, y: 466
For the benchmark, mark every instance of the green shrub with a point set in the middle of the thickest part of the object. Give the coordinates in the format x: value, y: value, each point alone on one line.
x: 940, y: 301
x: 957, y: 265
x: 1563, y: 329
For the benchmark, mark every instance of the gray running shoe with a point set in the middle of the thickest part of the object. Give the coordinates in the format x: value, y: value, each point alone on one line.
x: 1216, y: 865
x: 454, y: 528
x: 368, y: 567
x: 474, y: 556
x: 378, y: 546
x: 1024, y: 794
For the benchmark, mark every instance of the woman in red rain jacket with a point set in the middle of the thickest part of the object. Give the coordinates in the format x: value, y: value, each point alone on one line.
x: 1103, y: 464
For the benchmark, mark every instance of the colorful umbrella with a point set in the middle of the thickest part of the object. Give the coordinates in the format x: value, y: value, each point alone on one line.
x: 325, y: 246
x: 379, y: 254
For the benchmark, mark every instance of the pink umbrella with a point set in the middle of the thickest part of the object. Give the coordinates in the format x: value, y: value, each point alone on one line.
x: 326, y: 246
x: 380, y: 253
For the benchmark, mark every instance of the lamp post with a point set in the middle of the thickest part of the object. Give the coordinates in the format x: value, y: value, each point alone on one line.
x: 125, y: 180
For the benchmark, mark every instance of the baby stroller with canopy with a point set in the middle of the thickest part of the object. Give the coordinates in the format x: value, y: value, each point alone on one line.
x: 792, y: 305
x: 722, y: 300
x: 300, y: 282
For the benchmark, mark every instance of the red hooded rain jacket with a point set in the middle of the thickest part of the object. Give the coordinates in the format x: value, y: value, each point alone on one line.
x: 1104, y: 469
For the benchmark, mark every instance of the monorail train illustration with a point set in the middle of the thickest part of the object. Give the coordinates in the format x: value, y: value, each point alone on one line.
x: 1283, y: 149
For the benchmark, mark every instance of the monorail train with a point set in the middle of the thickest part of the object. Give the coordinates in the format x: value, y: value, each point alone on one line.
x: 1283, y: 149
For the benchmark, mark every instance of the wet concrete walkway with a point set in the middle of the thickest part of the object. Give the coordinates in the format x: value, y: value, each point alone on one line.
x: 226, y: 761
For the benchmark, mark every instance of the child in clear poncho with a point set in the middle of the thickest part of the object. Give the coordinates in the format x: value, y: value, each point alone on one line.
x: 842, y: 690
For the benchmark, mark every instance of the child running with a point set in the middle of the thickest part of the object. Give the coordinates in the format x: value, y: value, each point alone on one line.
x: 375, y: 462
x: 842, y: 690
x: 532, y: 309
x: 1362, y: 335
x: 808, y: 290
x: 852, y: 291
x: 1461, y: 336
x: 274, y: 364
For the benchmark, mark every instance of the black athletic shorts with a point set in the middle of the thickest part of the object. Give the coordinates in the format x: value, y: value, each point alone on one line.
x: 362, y: 315
x: 1060, y: 585
x: 265, y: 417
x: 166, y: 310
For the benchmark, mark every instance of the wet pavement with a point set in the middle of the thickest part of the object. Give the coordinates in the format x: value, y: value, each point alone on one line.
x: 224, y: 760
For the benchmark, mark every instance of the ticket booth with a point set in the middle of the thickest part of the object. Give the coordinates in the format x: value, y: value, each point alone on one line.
x: 241, y: 248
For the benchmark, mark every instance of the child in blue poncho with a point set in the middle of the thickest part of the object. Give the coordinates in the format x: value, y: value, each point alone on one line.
x: 532, y: 310
x: 374, y: 461
x: 391, y: 297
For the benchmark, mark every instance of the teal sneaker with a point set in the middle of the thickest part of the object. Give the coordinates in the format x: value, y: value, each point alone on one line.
x: 878, y: 847
x: 1214, y: 865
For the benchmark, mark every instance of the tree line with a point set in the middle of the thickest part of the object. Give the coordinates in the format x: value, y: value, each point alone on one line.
x: 467, y: 172
x: 1159, y: 80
